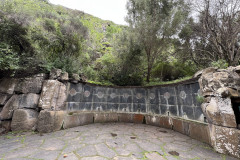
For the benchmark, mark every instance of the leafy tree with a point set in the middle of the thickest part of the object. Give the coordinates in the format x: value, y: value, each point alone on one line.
x: 129, y: 69
x: 154, y: 22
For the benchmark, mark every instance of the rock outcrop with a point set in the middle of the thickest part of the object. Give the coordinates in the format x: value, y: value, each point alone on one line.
x: 53, y: 96
x: 30, y: 84
x: 220, y: 87
x: 7, y: 86
x: 24, y: 120
x: 50, y: 121
x: 9, y: 107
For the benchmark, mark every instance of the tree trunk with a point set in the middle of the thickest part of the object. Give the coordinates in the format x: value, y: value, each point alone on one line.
x: 148, y: 74
x: 149, y: 65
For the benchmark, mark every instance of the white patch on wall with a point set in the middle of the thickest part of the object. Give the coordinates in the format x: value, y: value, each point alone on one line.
x: 152, y: 96
x: 125, y: 95
x: 167, y: 95
x: 86, y: 93
x: 139, y: 96
x: 72, y: 92
x: 183, y: 95
x: 113, y: 95
x: 100, y: 95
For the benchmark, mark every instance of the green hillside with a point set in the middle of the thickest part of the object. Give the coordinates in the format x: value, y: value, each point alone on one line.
x: 38, y: 36
x: 162, y: 42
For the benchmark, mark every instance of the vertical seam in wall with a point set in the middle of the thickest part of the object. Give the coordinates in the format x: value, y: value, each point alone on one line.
x: 193, y: 106
x: 176, y: 99
x: 147, y: 101
x: 58, y: 95
x: 132, y: 100
x: 159, y: 101
x: 92, y: 98
x: 67, y: 92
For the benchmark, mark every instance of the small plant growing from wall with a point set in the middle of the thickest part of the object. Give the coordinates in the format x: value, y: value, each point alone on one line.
x: 200, y: 99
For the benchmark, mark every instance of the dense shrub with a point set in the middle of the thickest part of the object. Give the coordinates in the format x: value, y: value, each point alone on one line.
x: 42, y: 35
x: 168, y: 71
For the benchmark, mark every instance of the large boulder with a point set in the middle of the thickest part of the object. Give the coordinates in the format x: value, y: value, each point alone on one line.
x: 24, y: 120
x: 53, y: 96
x: 5, y: 126
x: 75, y: 78
x: 19, y: 102
x: 31, y: 84
x: 55, y: 74
x: 220, y: 112
x: 4, y: 98
x: 64, y: 77
x: 225, y: 140
x: 9, y: 107
x: 227, y: 92
x: 212, y: 80
x: 50, y: 121
x: 198, y: 74
x: 28, y: 101
x: 7, y: 85
x: 77, y: 119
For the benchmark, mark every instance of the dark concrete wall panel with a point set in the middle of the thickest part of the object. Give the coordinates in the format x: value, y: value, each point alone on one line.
x: 173, y: 100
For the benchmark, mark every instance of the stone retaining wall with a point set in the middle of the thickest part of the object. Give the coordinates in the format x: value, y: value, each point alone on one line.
x: 220, y: 88
x: 47, y: 103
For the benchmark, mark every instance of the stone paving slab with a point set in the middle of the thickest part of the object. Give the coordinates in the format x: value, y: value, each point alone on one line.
x: 110, y: 141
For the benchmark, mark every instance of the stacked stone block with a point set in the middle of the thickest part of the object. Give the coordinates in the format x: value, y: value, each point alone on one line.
x: 219, y: 88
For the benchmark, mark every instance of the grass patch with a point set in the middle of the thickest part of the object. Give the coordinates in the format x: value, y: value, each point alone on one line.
x: 167, y: 82
x: 153, y: 83
x: 104, y: 83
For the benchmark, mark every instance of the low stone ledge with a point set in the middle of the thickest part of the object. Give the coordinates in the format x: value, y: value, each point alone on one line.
x: 199, y: 132
x: 181, y: 126
x: 160, y: 121
x: 105, y: 117
x: 131, y: 118
x: 225, y: 140
x: 138, y: 118
x: 50, y: 121
x: 77, y: 119
x: 196, y: 130
x: 126, y: 118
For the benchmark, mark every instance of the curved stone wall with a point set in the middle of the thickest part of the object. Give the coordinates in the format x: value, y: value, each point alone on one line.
x: 45, y: 104
x: 176, y: 100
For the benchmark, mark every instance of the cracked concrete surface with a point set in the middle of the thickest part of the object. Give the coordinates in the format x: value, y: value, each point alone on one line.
x: 117, y: 141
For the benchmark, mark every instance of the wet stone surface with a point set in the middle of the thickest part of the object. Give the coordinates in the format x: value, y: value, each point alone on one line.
x: 117, y: 141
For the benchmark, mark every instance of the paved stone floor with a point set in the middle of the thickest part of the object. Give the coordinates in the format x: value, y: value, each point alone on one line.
x: 106, y: 141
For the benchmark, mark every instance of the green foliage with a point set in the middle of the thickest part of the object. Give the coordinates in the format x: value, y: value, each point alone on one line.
x: 154, y: 23
x: 200, y: 98
x: 38, y: 36
x: 43, y: 35
x: 221, y: 64
x: 9, y: 60
x: 173, y: 69
x: 155, y: 83
x: 129, y: 69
